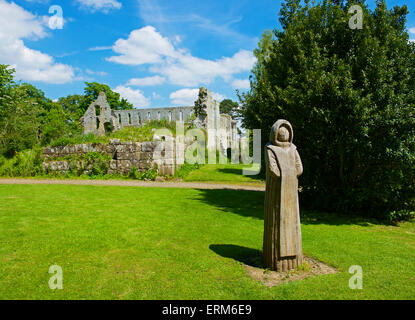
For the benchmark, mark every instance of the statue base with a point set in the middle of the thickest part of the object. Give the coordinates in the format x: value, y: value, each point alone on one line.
x: 285, y: 264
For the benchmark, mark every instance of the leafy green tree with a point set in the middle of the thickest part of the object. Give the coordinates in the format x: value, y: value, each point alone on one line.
x: 350, y: 95
x: 200, y: 103
x: 6, y: 79
x: 229, y: 107
x: 92, y: 91
x: 55, y: 125
x: 27, y: 117
x: 73, y: 105
x: 19, y: 115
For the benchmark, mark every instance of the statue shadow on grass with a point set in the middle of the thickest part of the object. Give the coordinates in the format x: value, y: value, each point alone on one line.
x: 251, y: 204
x: 248, y: 256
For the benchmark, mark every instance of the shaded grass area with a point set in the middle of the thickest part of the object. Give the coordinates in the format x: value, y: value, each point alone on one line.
x: 149, y: 243
x: 223, y: 173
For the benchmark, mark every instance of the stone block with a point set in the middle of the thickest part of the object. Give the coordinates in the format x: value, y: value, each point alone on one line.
x: 114, y: 141
x: 135, y: 163
x: 120, y: 148
x: 168, y: 162
x: 109, y: 148
x: 147, y: 146
x: 166, y: 170
x: 113, y: 164
x: 146, y: 156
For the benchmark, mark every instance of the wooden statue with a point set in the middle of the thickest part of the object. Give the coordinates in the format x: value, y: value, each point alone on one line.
x: 282, y: 248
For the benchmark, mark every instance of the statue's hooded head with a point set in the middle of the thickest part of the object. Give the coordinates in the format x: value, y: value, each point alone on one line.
x: 281, y: 133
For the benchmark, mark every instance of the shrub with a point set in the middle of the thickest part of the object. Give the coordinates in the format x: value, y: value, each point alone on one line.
x: 350, y: 97
x: 24, y: 164
x: 145, y: 175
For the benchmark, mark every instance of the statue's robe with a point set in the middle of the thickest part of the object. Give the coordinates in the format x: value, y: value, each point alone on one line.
x: 282, y: 230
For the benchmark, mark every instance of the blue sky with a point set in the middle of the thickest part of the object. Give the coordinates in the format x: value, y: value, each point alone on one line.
x: 153, y: 52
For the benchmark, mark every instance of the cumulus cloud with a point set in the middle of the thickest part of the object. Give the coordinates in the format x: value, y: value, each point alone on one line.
x: 100, y: 48
x: 178, y: 66
x: 147, y: 81
x: 98, y: 73
x: 136, y: 97
x: 241, y: 84
x: 143, y: 46
x: 31, y: 65
x: 189, y: 96
x: 100, y: 5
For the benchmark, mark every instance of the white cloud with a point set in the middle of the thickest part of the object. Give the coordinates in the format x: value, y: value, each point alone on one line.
x: 147, y: 81
x: 31, y: 65
x: 187, y: 97
x: 156, y: 95
x: 178, y: 66
x: 19, y: 23
x: 136, y: 97
x: 241, y: 84
x: 102, y: 48
x: 412, y: 30
x: 99, y: 73
x: 100, y: 5
x: 143, y: 46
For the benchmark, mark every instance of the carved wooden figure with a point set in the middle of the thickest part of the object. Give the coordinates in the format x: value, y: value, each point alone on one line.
x: 282, y: 249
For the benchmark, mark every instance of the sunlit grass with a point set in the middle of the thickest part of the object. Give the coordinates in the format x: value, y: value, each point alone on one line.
x: 149, y: 243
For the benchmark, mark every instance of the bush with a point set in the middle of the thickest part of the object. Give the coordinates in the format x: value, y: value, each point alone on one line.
x: 24, y: 164
x: 97, y: 164
x: 350, y: 96
x: 144, y: 175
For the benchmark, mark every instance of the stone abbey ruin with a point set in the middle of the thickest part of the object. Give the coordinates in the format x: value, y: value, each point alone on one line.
x: 100, y: 119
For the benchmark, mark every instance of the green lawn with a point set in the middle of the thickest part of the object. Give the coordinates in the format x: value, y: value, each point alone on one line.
x: 148, y: 243
x: 223, y: 173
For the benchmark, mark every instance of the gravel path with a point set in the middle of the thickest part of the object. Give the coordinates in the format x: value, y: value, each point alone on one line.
x: 132, y: 183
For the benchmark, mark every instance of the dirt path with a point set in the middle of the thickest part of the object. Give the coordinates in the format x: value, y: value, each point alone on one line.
x: 132, y: 183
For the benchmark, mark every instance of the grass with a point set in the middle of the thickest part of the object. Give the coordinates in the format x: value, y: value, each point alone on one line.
x: 223, y: 173
x: 149, y: 243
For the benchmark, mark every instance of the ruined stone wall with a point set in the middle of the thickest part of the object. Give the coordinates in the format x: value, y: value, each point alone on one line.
x: 100, y: 119
x: 138, y: 117
x: 123, y: 156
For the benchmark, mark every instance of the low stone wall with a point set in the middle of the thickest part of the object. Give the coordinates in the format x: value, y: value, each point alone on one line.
x: 123, y: 156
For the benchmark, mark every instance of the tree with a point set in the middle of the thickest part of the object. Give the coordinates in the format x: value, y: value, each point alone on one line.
x: 350, y: 95
x: 92, y: 91
x: 55, y: 124
x: 74, y: 105
x: 19, y: 115
x: 27, y: 117
x: 229, y: 107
